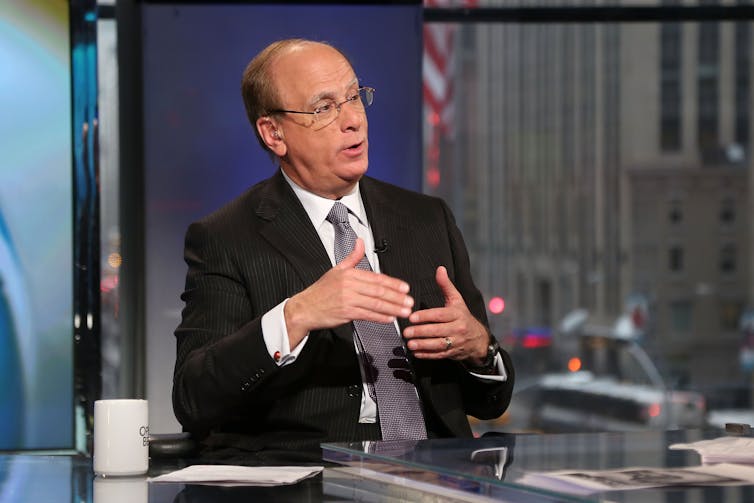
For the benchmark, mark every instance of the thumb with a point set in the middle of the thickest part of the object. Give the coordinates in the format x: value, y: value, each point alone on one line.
x: 447, y: 287
x: 353, y: 258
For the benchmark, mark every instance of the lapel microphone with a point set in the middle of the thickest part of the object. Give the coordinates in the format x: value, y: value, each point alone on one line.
x: 382, y: 247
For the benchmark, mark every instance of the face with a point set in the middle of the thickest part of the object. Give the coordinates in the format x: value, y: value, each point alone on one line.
x: 328, y: 160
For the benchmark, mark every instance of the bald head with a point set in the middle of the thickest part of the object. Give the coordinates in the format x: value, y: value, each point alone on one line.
x: 259, y: 88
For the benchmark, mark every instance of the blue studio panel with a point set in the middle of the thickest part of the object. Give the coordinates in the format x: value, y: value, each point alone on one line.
x: 198, y: 142
x: 36, y: 227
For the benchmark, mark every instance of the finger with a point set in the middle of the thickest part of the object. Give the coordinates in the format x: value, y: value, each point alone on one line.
x: 435, y: 355
x: 434, y: 348
x: 375, y: 292
x: 433, y: 315
x: 370, y: 315
x: 430, y: 331
x: 353, y: 258
x: 378, y: 297
x: 431, y: 356
x: 385, y: 300
x: 447, y: 287
x: 376, y: 280
x: 435, y: 344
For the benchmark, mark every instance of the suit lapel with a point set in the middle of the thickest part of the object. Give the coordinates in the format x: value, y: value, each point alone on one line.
x: 289, y: 229
x: 388, y: 223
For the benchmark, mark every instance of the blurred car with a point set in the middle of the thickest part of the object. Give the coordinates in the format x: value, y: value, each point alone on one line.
x: 530, y: 348
x: 719, y: 418
x: 608, y: 384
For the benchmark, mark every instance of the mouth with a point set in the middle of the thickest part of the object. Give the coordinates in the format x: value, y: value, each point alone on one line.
x: 355, y: 149
x: 355, y: 146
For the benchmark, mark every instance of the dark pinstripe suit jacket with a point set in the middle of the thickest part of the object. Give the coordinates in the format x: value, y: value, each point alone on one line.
x: 262, y: 248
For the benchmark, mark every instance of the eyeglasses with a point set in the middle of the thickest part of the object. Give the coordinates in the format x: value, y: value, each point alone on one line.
x: 328, y: 111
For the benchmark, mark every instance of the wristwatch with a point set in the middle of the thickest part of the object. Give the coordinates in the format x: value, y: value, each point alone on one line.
x: 493, y: 348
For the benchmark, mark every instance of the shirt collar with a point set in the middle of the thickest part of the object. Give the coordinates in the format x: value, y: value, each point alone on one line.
x: 318, y: 207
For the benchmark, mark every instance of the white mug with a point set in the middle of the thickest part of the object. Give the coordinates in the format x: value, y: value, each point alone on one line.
x: 121, y: 437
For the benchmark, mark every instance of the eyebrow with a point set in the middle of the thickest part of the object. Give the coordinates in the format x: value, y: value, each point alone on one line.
x: 329, y: 94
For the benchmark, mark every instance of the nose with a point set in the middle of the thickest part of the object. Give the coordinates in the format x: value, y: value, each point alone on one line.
x: 351, y: 117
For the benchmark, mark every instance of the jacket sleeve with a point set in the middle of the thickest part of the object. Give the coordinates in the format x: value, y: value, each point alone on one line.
x: 221, y: 360
x: 483, y: 399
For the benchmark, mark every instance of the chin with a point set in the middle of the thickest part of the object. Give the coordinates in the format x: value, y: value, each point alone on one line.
x: 355, y: 171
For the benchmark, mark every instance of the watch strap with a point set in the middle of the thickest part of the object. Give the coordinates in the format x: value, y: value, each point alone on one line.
x: 493, y: 348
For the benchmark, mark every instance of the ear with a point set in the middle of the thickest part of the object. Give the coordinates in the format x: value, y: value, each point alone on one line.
x: 272, y: 136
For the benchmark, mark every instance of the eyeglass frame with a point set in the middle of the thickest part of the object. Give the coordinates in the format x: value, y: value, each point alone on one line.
x: 368, y: 93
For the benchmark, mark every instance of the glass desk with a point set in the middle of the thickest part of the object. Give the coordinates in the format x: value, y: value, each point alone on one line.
x: 481, y: 469
x: 69, y: 478
x: 490, y: 468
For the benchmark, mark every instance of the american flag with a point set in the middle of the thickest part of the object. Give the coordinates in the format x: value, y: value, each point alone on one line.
x: 439, y: 48
x: 437, y: 69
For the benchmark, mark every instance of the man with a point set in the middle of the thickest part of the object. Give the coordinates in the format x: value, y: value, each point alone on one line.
x: 274, y: 352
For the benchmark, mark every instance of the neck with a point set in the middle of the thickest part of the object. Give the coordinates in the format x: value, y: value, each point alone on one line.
x: 333, y: 193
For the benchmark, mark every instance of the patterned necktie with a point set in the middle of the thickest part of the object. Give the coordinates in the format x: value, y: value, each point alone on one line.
x: 386, y: 368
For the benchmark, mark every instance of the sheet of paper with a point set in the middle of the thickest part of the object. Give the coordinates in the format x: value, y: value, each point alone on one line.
x: 723, y: 449
x: 590, y: 481
x: 237, y: 475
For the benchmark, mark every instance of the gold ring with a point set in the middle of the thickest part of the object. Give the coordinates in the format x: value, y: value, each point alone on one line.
x: 448, y: 343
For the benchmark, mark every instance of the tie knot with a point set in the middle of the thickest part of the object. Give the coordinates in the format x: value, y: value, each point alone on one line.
x: 338, y: 214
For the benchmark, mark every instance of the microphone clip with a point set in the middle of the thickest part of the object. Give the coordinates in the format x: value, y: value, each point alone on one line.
x: 382, y: 247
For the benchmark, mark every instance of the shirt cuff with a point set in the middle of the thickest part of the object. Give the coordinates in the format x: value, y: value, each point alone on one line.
x: 275, y: 335
x: 501, y: 375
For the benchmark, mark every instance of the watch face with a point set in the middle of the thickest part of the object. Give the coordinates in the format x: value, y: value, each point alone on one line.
x: 491, y: 352
x: 494, y: 347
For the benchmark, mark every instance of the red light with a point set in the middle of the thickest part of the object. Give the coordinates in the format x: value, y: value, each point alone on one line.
x: 108, y: 283
x: 574, y: 364
x: 637, y: 317
x: 433, y: 177
x: 654, y: 410
x: 531, y: 341
x: 497, y: 305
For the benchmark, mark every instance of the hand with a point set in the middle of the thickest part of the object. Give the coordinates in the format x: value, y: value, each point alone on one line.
x: 433, y: 328
x: 344, y: 294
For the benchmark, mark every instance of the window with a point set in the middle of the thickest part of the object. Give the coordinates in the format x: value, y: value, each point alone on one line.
x: 675, y: 258
x: 675, y: 214
x: 670, y: 86
x: 743, y: 81
x: 609, y: 131
x: 728, y: 258
x: 730, y: 314
x: 680, y: 316
x: 727, y: 211
x: 708, y: 71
